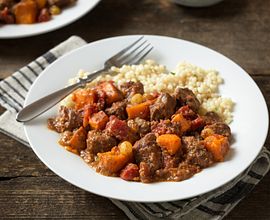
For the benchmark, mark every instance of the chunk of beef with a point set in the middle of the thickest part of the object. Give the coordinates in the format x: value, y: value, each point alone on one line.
x: 97, y: 142
x: 147, y: 153
x: 182, y: 172
x: 163, y: 108
x: 211, y: 118
x: 6, y: 3
x: 118, y: 109
x: 186, y: 97
x: 171, y: 161
x: 119, y: 129
x: 139, y: 126
x: 216, y: 128
x: 131, y: 88
x: 66, y: 120
x: 166, y: 127
x: 6, y: 16
x: 101, y: 99
x: 65, y: 138
x: 195, y: 152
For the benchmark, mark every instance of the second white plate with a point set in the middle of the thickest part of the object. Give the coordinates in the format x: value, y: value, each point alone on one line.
x: 67, y: 16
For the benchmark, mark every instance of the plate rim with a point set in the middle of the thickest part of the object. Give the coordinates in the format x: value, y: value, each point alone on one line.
x: 172, y: 38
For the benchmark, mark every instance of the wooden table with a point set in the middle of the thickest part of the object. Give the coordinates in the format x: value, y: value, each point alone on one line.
x: 238, y: 29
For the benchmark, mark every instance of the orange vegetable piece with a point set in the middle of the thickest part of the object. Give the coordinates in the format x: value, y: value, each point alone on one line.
x: 83, y: 97
x: 218, y: 145
x: 78, y: 140
x: 184, y: 123
x: 112, y: 162
x: 26, y: 12
x: 75, y: 151
x: 98, y: 120
x: 140, y: 110
x: 112, y: 93
x: 171, y: 142
x: 41, y: 3
x: 86, y: 116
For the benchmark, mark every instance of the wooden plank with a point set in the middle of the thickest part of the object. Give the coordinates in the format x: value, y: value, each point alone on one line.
x: 51, y: 197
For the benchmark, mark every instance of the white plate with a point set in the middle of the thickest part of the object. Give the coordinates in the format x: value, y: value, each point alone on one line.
x: 249, y: 127
x: 67, y: 16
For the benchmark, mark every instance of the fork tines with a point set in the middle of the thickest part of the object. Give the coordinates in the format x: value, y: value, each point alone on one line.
x: 133, y: 53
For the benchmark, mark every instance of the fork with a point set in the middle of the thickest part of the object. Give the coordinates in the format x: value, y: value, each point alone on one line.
x: 132, y: 54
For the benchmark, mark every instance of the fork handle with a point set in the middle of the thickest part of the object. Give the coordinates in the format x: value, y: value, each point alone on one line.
x: 42, y: 105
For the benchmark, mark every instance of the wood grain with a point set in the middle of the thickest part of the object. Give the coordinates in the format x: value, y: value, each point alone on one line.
x: 238, y: 29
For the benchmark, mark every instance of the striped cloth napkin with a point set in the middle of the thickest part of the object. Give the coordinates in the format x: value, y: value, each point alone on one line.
x: 212, y: 205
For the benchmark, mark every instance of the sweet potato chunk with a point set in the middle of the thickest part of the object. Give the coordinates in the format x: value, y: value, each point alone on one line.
x: 218, y: 145
x: 98, y: 120
x: 26, y: 12
x: 74, y: 141
x: 112, y: 93
x: 83, y: 97
x: 140, y: 110
x: 110, y: 163
x: 184, y: 123
x: 41, y: 3
x: 78, y: 140
x: 171, y: 142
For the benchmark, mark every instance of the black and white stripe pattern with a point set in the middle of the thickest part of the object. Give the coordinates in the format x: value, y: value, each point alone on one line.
x: 212, y: 205
x: 14, y: 88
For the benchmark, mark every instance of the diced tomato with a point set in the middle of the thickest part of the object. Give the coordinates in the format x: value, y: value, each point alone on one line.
x: 118, y: 128
x: 197, y: 123
x: 44, y: 15
x: 130, y: 172
x: 6, y: 16
x: 187, y: 112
